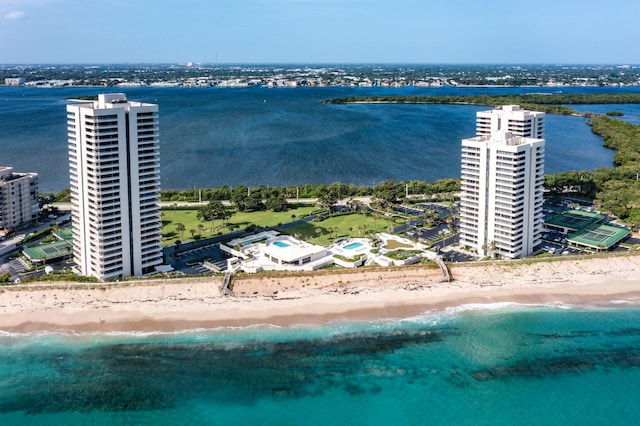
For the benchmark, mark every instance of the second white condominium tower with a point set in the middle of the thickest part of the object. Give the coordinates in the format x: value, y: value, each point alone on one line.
x: 115, y: 186
x: 502, y: 183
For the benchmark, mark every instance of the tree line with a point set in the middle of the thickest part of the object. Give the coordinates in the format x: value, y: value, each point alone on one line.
x: 275, y: 197
x: 252, y: 196
x: 550, y: 103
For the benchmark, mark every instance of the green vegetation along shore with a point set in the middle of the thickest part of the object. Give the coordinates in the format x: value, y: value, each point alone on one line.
x: 550, y: 103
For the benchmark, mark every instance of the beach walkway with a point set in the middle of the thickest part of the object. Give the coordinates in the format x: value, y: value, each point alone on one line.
x: 443, y: 266
x: 226, y: 283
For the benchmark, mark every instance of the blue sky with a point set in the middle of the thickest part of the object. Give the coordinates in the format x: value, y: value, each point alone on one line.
x: 319, y: 31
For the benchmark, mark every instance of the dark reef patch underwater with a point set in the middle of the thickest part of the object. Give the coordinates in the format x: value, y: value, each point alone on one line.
x: 150, y: 376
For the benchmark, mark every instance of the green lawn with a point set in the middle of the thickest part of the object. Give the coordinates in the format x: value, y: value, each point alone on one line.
x: 239, y: 220
x: 269, y: 218
x: 393, y: 245
x: 352, y: 225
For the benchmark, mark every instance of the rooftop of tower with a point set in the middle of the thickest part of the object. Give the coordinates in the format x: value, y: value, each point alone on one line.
x: 508, y: 139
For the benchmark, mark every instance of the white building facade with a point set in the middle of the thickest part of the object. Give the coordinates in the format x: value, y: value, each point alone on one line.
x: 18, y: 199
x: 502, y: 183
x: 14, y: 81
x: 114, y: 165
x: 510, y: 118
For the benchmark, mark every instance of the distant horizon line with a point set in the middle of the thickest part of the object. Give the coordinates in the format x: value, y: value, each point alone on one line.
x: 193, y: 63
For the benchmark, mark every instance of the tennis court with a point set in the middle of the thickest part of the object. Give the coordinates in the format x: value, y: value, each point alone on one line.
x: 48, y: 252
x: 65, y: 234
x: 573, y: 220
x: 598, y: 236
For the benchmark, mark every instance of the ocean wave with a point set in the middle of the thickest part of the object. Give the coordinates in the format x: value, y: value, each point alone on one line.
x: 436, y: 317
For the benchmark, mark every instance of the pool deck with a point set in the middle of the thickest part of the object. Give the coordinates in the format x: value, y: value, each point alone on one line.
x: 272, y: 251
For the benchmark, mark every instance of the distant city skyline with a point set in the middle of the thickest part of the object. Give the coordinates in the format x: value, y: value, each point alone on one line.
x: 318, y: 31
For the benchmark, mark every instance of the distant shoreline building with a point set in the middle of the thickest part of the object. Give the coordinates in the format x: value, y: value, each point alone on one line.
x: 14, y: 81
x: 502, y: 183
x: 18, y: 199
x: 114, y: 172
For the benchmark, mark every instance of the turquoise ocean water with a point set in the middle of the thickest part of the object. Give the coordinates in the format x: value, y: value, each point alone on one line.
x: 495, y: 364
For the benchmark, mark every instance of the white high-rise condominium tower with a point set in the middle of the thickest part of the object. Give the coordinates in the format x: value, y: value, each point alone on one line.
x: 502, y: 183
x: 114, y: 167
x: 18, y: 199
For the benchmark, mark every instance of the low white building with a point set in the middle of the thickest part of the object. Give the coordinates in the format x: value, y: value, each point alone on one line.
x: 14, y: 81
x: 289, y: 251
x: 271, y: 251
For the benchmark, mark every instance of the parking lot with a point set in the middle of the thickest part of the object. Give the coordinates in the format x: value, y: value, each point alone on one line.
x: 410, y: 211
x: 11, y: 267
x: 452, y: 255
x: 443, y: 211
x: 427, y: 235
x: 190, y: 261
x: 556, y: 243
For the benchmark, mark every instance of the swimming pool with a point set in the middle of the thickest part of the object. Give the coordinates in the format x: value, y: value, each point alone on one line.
x: 280, y: 244
x: 352, y: 246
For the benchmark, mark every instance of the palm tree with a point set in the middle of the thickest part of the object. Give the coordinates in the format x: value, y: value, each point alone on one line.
x: 193, y: 232
x: 493, y: 246
x: 490, y: 248
x: 333, y: 229
x: 431, y: 218
x: 200, y: 228
x: 319, y: 232
x: 180, y: 228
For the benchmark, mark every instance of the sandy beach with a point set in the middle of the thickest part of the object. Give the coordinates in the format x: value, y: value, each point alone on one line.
x: 312, y: 298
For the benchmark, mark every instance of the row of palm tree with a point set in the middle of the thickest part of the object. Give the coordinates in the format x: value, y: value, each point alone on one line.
x: 491, y: 248
x: 181, y: 228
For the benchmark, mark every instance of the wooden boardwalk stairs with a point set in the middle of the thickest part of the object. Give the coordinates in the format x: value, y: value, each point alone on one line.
x: 226, y: 284
x: 446, y: 275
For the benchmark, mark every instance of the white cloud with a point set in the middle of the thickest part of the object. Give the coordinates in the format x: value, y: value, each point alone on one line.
x: 15, y: 15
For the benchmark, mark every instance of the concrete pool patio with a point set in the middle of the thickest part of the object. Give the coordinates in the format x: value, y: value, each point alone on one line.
x: 271, y: 251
